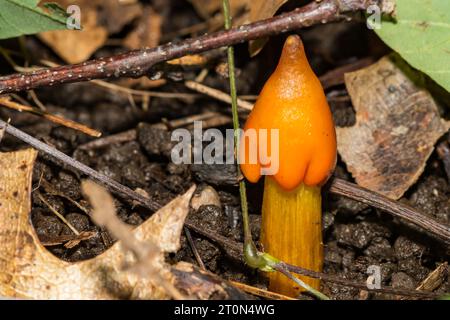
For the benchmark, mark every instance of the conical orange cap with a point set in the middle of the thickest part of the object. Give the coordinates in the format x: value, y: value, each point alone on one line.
x: 292, y: 101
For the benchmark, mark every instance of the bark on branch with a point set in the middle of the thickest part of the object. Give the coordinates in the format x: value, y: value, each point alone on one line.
x: 139, y: 62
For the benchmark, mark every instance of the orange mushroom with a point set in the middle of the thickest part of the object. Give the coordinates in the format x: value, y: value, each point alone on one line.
x: 292, y: 101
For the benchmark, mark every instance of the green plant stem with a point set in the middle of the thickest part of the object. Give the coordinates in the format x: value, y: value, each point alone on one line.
x: 252, y: 257
x: 280, y: 268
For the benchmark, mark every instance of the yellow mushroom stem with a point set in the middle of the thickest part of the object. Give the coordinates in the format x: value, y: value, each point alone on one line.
x: 292, y: 232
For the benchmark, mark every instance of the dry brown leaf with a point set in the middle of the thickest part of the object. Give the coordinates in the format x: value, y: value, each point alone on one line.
x: 98, y: 19
x: 397, y: 125
x: 211, y: 11
x: 150, y: 261
x: 147, y: 32
x: 28, y: 270
x: 69, y: 241
x: 206, y: 9
x: 434, y: 278
x: 75, y: 46
x: 259, y: 10
x: 189, y: 60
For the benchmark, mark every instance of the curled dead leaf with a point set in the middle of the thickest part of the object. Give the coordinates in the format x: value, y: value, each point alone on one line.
x: 147, y: 32
x: 28, y: 270
x: 98, y: 20
x: 397, y: 125
x: 150, y: 263
x: 260, y: 10
x: 75, y: 46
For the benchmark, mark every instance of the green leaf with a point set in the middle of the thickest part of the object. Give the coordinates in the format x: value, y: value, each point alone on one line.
x: 421, y: 35
x: 19, y: 17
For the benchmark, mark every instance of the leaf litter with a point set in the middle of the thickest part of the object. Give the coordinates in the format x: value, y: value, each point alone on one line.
x: 397, y: 126
x: 127, y: 270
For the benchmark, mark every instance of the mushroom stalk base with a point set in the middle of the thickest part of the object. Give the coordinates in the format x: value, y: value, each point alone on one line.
x: 292, y: 232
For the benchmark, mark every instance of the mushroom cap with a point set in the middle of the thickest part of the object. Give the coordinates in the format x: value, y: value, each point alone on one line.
x: 292, y: 101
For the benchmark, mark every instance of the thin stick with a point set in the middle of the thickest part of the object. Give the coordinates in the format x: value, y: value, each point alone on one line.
x: 36, y: 100
x: 118, y: 88
x: 398, y: 209
x: 347, y: 283
x: 56, y: 119
x: 260, y: 292
x: 144, y: 93
x: 59, y: 215
x: 217, y: 94
x: 97, y: 176
x: 194, y: 249
x: 52, y: 191
x: 139, y: 62
x: 282, y: 269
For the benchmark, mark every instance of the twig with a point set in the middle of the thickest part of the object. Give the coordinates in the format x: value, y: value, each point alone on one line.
x: 260, y: 292
x: 143, y: 93
x: 138, y: 63
x: 101, y: 178
x: 36, y: 100
x: 217, y: 94
x: 281, y: 267
x: 232, y: 248
x: 59, y: 215
x: 52, y: 191
x: 117, y: 87
x: 131, y: 134
x: 336, y: 76
x: 347, y: 283
x: 194, y: 249
x: 56, y: 119
x: 398, y: 209
x: 434, y: 278
x: 120, y: 137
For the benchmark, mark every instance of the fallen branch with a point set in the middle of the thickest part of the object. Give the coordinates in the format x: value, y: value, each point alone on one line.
x: 396, y: 208
x: 72, y: 163
x: 6, y: 102
x: 139, y: 62
x: 217, y: 94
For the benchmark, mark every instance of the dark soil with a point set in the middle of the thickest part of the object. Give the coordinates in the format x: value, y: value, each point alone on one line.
x: 355, y: 235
